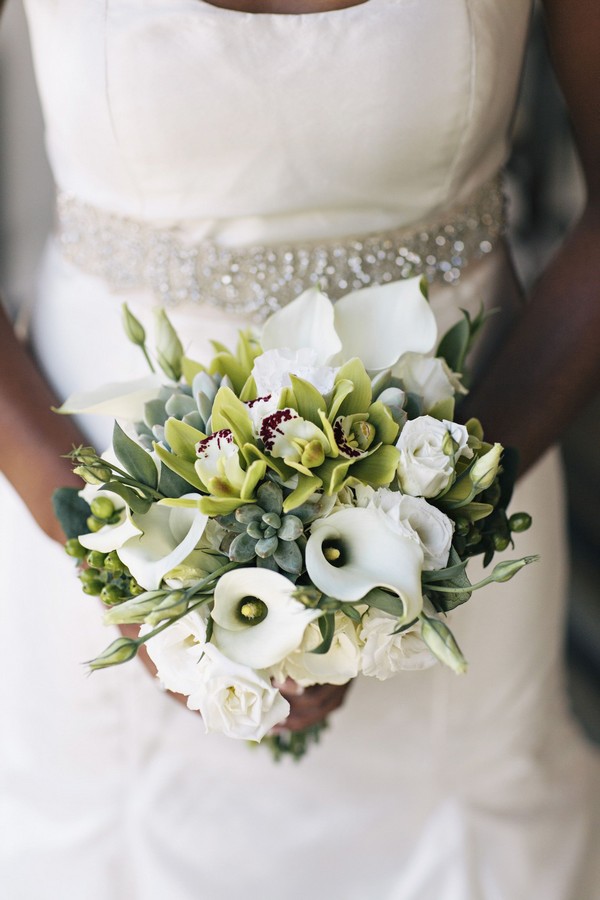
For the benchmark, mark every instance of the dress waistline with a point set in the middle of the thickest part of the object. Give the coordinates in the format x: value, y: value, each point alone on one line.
x: 130, y: 254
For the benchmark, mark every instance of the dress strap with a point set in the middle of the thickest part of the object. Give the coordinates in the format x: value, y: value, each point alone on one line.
x: 130, y: 254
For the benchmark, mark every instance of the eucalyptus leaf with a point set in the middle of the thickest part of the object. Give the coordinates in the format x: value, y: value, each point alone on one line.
x: 457, y: 578
x: 385, y: 601
x: 132, y: 498
x: 134, y: 459
x: 71, y: 510
x: 326, y: 625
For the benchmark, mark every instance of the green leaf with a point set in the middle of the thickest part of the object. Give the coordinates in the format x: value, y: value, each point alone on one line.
x: 182, y: 438
x: 134, y: 458
x: 359, y: 400
x: 386, y: 602
x: 476, y: 511
x: 457, y: 578
x: 170, y: 484
x: 326, y: 625
x: 182, y: 467
x: 71, y: 510
x: 134, y: 501
x: 454, y: 345
x: 308, y: 400
x: 351, y: 612
x: 250, y: 452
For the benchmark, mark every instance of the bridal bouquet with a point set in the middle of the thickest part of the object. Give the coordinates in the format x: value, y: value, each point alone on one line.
x: 304, y: 507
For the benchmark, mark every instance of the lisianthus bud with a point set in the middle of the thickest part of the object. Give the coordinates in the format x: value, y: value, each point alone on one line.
x: 504, y: 571
x: 93, y: 474
x: 174, y: 605
x: 169, y: 349
x: 440, y: 641
x: 484, y: 471
x: 132, y: 327
x: 120, y: 651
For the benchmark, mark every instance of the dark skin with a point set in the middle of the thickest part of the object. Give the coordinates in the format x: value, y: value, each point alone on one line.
x: 545, y: 371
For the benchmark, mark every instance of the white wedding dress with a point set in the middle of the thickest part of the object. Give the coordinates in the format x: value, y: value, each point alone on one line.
x: 242, y: 131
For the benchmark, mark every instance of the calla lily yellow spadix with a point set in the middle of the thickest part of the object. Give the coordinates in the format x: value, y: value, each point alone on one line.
x: 377, y: 324
x: 264, y: 640
x: 367, y: 554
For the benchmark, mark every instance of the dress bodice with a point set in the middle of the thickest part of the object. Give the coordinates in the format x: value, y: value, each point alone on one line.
x: 276, y: 127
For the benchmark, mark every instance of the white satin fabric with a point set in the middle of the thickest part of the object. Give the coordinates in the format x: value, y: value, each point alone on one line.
x: 254, y: 128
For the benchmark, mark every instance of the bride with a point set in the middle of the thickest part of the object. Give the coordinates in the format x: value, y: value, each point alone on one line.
x: 217, y: 157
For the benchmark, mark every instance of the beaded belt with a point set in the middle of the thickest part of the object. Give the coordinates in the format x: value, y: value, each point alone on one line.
x: 130, y: 254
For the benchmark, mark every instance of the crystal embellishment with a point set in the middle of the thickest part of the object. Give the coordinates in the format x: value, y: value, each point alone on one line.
x: 131, y: 254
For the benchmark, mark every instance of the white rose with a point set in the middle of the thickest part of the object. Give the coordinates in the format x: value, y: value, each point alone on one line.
x: 176, y: 652
x: 414, y: 516
x: 429, y: 450
x: 273, y: 368
x: 339, y: 665
x: 385, y: 653
x: 431, y: 378
x: 235, y: 700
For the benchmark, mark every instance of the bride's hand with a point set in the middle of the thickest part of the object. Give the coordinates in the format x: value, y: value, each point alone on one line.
x: 311, y: 705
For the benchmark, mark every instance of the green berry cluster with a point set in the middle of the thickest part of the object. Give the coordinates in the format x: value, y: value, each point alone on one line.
x: 102, y: 574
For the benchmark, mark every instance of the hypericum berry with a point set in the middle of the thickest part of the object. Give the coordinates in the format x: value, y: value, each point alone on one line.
x: 93, y: 587
x: 95, y: 559
x: 94, y: 524
x: 111, y: 595
x: 102, y: 507
x: 75, y: 549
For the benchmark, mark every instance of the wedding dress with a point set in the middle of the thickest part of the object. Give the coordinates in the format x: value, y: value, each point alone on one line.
x: 187, y: 141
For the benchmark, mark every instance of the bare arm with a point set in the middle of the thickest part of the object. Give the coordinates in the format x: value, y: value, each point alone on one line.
x: 549, y: 366
x: 32, y: 437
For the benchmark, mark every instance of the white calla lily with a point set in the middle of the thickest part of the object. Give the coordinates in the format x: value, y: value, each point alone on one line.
x: 256, y: 619
x: 111, y: 537
x: 160, y: 540
x: 121, y: 400
x: 308, y: 321
x: 355, y: 550
x: 380, y: 323
x: 377, y: 324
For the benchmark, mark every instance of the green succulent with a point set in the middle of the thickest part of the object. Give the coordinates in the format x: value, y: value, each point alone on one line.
x: 261, y: 531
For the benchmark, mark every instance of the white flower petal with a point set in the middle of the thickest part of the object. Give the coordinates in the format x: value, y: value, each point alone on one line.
x: 111, y: 537
x: 168, y: 535
x: 121, y: 400
x: 235, y: 700
x: 176, y: 652
x: 378, y: 324
x: 265, y: 643
x: 373, y: 555
x: 308, y: 321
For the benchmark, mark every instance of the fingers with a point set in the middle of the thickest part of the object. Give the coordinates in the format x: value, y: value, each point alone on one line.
x: 311, y: 706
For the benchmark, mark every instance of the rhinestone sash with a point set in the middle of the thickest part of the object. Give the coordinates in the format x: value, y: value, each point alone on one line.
x: 130, y: 254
